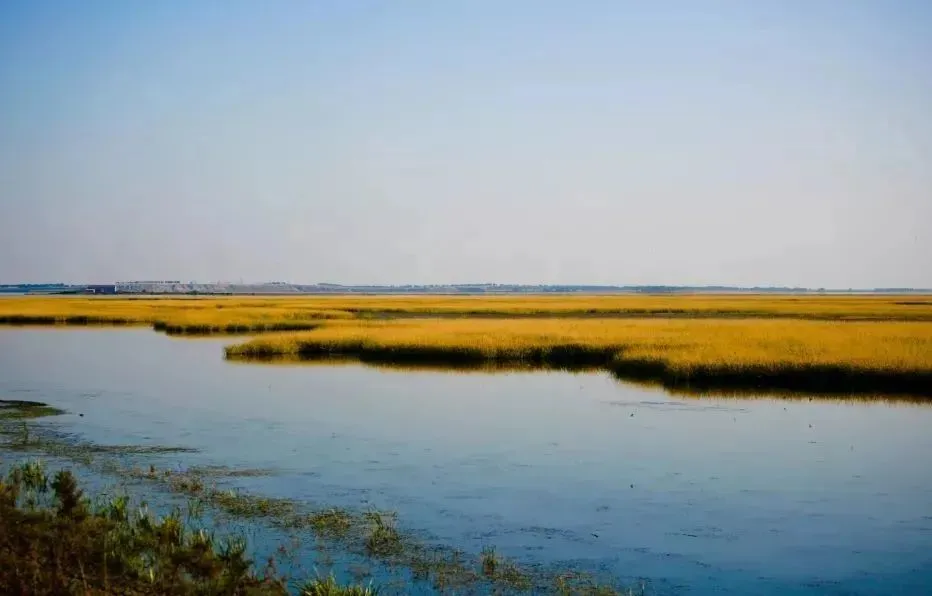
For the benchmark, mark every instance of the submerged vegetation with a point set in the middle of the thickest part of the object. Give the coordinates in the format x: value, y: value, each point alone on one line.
x: 754, y: 354
x: 71, y: 546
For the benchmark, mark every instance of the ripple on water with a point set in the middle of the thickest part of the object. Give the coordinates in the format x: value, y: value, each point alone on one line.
x: 707, y: 495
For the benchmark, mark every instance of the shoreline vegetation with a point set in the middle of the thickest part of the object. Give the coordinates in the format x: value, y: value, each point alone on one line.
x: 817, y: 344
x: 54, y: 539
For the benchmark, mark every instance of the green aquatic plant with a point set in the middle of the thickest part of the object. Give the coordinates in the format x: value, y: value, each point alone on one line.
x: 331, y: 523
x: 581, y: 584
x: 245, y: 505
x: 65, y: 548
x: 328, y: 586
x: 383, y: 539
x: 489, y: 561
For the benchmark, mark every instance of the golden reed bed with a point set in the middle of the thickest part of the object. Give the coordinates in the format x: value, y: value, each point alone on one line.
x: 818, y: 356
x: 203, y: 314
x: 811, y: 343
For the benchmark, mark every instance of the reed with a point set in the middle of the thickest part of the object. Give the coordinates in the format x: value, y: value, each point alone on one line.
x: 215, y: 314
x: 175, y: 316
x: 52, y: 541
x: 813, y: 356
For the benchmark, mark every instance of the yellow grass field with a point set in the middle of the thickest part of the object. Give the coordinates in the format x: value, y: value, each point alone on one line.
x: 818, y: 343
x: 769, y: 354
x: 206, y: 314
x: 174, y: 315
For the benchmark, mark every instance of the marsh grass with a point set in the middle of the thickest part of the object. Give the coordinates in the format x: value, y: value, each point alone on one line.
x: 762, y: 355
x: 195, y: 316
x: 513, y: 577
x: 580, y: 584
x: 489, y: 561
x: 26, y: 410
x: 53, y: 540
x: 331, y: 523
x: 819, y: 344
x: 231, y: 328
x: 444, y: 569
x: 174, y: 316
x: 383, y: 539
x: 328, y: 586
x: 246, y: 506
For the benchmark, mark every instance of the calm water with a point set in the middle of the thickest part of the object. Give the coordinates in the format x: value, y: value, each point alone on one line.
x: 720, y: 496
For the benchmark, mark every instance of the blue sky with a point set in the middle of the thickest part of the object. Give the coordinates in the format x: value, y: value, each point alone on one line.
x: 745, y: 143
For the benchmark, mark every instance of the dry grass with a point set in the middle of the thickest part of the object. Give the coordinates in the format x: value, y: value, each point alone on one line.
x: 246, y: 314
x: 771, y: 354
x: 819, y: 343
x: 688, y: 305
x: 172, y: 315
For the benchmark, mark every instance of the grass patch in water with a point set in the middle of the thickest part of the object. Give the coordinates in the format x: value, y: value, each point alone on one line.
x: 331, y: 523
x: 228, y: 472
x: 763, y: 355
x: 26, y: 410
x: 383, y: 539
x: 580, y: 584
x: 245, y: 505
x: 329, y: 587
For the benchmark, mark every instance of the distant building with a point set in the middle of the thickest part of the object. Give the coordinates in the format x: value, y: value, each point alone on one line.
x: 100, y: 289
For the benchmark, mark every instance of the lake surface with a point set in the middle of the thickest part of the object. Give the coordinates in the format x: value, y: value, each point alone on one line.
x: 696, y: 496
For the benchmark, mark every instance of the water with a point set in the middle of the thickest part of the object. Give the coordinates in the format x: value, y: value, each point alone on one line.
x: 731, y: 496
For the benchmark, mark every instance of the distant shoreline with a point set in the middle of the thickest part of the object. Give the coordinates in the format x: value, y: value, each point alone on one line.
x: 454, y: 291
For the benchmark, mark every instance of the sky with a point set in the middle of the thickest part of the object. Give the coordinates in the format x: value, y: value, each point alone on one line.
x: 590, y: 142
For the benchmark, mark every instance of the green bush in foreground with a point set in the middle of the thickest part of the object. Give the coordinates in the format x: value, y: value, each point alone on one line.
x: 52, y: 541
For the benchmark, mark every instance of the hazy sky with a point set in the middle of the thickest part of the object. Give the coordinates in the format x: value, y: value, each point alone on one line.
x: 716, y: 142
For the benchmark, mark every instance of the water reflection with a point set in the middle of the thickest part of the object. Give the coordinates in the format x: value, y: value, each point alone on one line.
x: 740, y: 496
x: 491, y: 368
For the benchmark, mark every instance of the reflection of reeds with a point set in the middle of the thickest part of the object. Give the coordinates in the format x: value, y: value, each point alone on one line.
x: 851, y: 397
x: 497, y: 368
x: 695, y: 355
